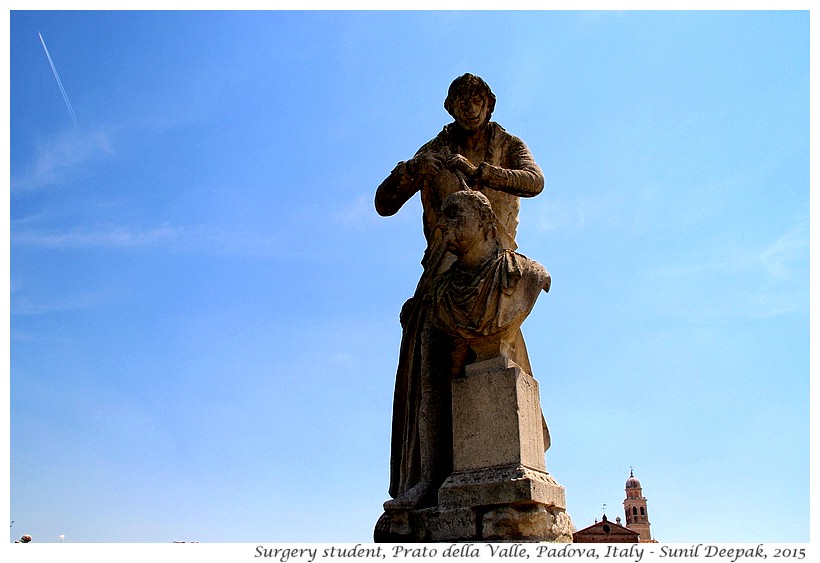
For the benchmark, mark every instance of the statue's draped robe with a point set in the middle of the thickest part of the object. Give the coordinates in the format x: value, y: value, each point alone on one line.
x: 513, y: 169
x: 490, y: 301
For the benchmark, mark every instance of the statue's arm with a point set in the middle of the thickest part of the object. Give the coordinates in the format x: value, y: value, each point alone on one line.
x: 407, y: 178
x: 396, y: 189
x: 523, y: 178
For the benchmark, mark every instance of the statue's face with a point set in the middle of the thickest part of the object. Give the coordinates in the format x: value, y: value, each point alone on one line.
x: 470, y: 111
x: 461, y: 228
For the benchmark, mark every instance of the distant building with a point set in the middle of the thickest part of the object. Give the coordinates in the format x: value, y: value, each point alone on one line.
x: 637, y: 521
x: 606, y: 532
x: 637, y: 516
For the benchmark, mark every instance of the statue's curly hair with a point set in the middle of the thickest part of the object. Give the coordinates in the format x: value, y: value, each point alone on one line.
x: 469, y: 85
x: 478, y: 202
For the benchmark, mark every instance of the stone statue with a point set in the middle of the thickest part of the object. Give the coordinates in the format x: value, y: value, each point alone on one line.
x: 457, y: 316
x: 485, y: 295
x: 471, y: 151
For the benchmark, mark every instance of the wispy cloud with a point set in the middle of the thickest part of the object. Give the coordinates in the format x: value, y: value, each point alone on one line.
x: 24, y: 306
x: 56, y: 159
x: 358, y: 214
x: 558, y: 214
x: 561, y: 213
x: 778, y: 260
x: 116, y: 236
x: 780, y: 257
x: 736, y: 281
x: 207, y: 240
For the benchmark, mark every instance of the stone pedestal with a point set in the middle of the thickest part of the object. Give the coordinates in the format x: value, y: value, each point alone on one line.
x: 499, y: 489
x: 496, y: 418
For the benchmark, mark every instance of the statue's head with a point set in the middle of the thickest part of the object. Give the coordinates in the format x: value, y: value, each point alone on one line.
x: 466, y: 219
x: 470, y: 101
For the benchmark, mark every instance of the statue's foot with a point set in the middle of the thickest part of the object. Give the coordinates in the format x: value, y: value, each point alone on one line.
x: 417, y: 496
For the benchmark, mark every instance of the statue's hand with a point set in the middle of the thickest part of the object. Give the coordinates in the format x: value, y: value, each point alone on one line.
x: 426, y: 164
x: 459, y: 162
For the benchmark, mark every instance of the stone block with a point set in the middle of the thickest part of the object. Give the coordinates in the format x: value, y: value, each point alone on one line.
x: 395, y: 526
x: 404, y: 525
x: 516, y: 523
x: 532, y: 522
x: 501, y: 485
x: 497, y: 418
x: 458, y: 524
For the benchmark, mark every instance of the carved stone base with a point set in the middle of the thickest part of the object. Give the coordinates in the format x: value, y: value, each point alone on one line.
x: 499, y: 504
x: 501, y: 485
x: 512, y: 503
x: 401, y: 526
x: 518, y: 522
x: 499, y: 489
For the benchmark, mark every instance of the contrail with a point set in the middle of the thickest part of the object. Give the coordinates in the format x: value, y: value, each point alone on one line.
x: 60, y: 84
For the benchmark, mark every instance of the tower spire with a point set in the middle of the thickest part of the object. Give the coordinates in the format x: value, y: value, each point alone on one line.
x: 637, y: 515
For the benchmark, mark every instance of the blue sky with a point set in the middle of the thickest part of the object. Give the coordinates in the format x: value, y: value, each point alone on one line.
x: 204, y: 304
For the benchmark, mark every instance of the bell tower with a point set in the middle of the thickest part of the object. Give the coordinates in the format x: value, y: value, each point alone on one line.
x: 637, y: 516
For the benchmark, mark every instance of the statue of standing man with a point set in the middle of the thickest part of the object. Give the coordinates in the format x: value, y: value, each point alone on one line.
x: 474, y: 153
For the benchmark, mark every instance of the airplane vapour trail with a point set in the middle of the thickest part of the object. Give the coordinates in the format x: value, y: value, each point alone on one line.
x: 59, y: 84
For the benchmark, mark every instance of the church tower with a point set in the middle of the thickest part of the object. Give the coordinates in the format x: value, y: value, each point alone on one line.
x: 637, y: 517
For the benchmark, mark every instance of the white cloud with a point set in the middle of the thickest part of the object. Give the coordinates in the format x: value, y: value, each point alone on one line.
x: 112, y: 237
x: 24, y: 306
x: 359, y: 213
x: 169, y: 238
x: 561, y: 213
x: 741, y: 280
x: 779, y: 258
x: 57, y: 159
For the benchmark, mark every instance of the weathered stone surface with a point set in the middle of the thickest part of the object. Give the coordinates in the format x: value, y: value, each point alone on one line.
x: 468, y: 440
x: 516, y: 522
x: 485, y: 295
x: 496, y: 417
x: 456, y: 524
x: 394, y: 526
x: 533, y: 522
x: 471, y: 152
x: 499, y: 485
x: 498, y: 523
x: 562, y: 527
x: 404, y: 526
